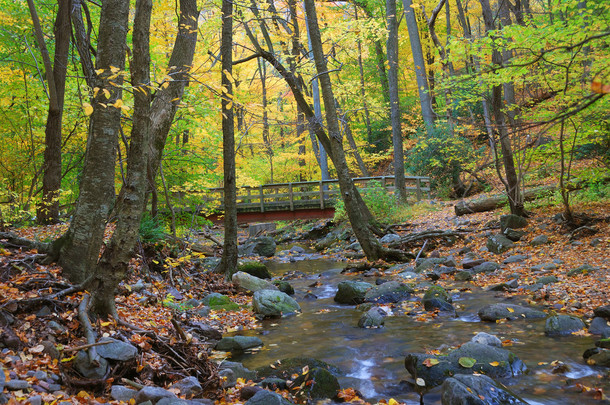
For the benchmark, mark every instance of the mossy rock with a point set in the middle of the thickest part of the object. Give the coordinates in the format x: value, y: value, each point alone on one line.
x: 218, y: 302
x: 284, y: 286
x: 256, y: 269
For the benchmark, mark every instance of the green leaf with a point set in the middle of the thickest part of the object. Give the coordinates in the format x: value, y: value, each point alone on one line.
x: 467, y: 362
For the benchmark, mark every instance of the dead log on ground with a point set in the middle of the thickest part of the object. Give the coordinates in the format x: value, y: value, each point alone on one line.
x: 491, y: 203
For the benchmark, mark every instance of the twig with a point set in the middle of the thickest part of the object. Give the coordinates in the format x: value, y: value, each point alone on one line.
x: 421, y: 250
x: 133, y: 384
x: 179, y: 329
x: 84, y: 347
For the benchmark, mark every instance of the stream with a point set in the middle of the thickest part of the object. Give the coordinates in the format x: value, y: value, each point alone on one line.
x: 372, y: 360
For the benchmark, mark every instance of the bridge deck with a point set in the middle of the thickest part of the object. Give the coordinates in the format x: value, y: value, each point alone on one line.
x: 305, y: 199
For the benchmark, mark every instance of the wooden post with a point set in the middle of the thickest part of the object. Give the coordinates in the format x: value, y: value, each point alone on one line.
x: 262, y: 197
x: 418, y: 188
x: 291, y: 194
x: 321, y: 195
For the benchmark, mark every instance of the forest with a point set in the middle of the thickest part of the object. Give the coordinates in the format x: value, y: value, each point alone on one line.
x: 134, y: 133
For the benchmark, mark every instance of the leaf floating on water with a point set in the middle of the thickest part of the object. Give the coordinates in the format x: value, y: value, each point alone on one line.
x: 305, y: 370
x: 430, y: 362
x: 494, y: 363
x: 467, y: 362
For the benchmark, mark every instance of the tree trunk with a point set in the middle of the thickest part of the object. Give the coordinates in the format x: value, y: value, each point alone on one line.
x: 47, y: 211
x: 392, y: 51
x: 365, y: 106
x: 420, y: 67
x: 357, y: 216
x: 511, y: 183
x: 166, y: 100
x: 83, y: 240
x: 112, y: 267
x: 268, y: 148
x: 491, y: 203
x: 228, y: 262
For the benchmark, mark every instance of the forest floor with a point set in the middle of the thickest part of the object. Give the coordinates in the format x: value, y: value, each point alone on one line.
x: 44, y: 334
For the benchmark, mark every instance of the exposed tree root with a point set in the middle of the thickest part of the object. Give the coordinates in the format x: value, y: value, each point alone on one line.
x: 430, y: 234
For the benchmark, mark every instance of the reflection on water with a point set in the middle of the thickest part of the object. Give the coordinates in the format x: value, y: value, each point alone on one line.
x: 371, y: 360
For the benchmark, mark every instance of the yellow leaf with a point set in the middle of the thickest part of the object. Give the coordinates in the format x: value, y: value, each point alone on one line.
x: 510, y: 309
x: 88, y: 109
x: 106, y: 93
x: 392, y: 401
x: 99, y: 71
x: 118, y: 103
x: 114, y: 69
x: 164, y: 85
x: 494, y: 363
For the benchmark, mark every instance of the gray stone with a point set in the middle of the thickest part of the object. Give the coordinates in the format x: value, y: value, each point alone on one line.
x: 437, y: 298
x: 513, y: 234
x: 390, y: 292
x: 476, y: 390
x: 88, y: 370
x: 603, y: 311
x: 35, y: 400
x: 409, y: 275
x: 563, y: 325
x: 44, y: 311
x: 254, y: 268
x: 485, y: 267
x: 205, y: 330
x: 600, y: 358
x: 188, y: 386
x: 584, y: 269
x: 192, y: 303
x: 599, y: 326
x: 373, y: 318
x: 509, y: 364
x: 116, y: 350
x: 153, y: 394
x: 14, y: 385
x: 486, y: 339
x: 122, y: 393
x: 265, y: 397
x: 269, y: 303
x: 263, y: 246
x: 595, y: 242
x: 172, y: 401
x: 499, y: 244
x: 294, y: 365
x: 512, y: 221
x: 494, y: 312
x: 390, y: 238
x: 234, y: 370
x: 464, y: 275
x: 284, y: 286
x: 469, y: 263
x: 544, y: 266
x: 515, y: 259
x: 272, y: 383
x: 203, y: 311
x: 318, y: 383
x: 428, y: 263
x: 248, y: 282
x: 540, y: 240
x: 56, y: 327
x: 175, y: 293
x: 352, y: 292
x: 544, y: 280
x: 354, y: 246
x: 238, y: 344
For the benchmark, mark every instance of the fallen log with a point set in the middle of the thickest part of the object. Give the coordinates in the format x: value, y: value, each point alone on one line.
x: 491, y: 203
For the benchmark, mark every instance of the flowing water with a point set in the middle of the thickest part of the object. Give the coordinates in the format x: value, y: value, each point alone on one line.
x: 371, y: 360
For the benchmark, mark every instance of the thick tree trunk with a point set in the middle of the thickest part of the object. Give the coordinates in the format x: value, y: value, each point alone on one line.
x: 355, y: 211
x: 112, y: 266
x: 83, y: 240
x: 420, y: 66
x: 392, y: 50
x: 228, y: 262
x: 48, y: 210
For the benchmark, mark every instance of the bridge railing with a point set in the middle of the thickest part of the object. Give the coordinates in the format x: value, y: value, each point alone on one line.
x: 308, y: 194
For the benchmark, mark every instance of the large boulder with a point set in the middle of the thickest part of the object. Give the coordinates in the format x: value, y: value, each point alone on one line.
x: 116, y: 349
x: 352, y: 292
x: 512, y: 221
x: 219, y: 301
x: 263, y: 246
x: 238, y: 344
x: 248, y: 282
x: 254, y: 268
x: 389, y: 292
x: 269, y: 303
x: 494, y: 312
x: 563, y: 325
x: 499, y: 244
x: 467, y: 359
x: 476, y: 390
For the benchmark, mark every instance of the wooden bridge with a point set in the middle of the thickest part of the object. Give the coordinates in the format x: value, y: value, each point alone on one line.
x: 304, y: 199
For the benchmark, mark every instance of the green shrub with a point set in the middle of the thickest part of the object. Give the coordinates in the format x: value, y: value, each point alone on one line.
x: 151, y: 229
x: 382, y: 204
